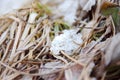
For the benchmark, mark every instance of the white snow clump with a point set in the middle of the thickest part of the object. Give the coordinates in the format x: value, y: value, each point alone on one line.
x: 69, y: 41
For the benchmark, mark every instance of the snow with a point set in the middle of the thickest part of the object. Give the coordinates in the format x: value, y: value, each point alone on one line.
x: 69, y: 41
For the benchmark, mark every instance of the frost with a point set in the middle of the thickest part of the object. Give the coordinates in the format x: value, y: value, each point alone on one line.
x: 68, y: 42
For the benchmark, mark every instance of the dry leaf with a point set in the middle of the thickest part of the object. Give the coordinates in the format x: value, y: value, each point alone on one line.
x: 87, y: 4
x: 68, y: 10
x: 73, y: 73
x: 27, y: 78
x: 7, y: 6
x: 113, y: 52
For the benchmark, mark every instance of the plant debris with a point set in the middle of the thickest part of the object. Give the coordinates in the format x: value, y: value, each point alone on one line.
x: 59, y: 40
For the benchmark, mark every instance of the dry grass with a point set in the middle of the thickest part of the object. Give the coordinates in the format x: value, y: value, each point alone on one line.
x: 25, y: 40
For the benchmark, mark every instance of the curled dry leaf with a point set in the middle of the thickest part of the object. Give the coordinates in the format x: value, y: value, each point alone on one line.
x: 7, y: 6
x: 73, y: 73
x: 112, y: 51
x: 63, y: 8
x: 26, y: 78
x: 68, y: 10
x: 87, y: 4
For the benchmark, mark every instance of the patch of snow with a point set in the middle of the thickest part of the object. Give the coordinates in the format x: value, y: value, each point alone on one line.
x: 68, y: 42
